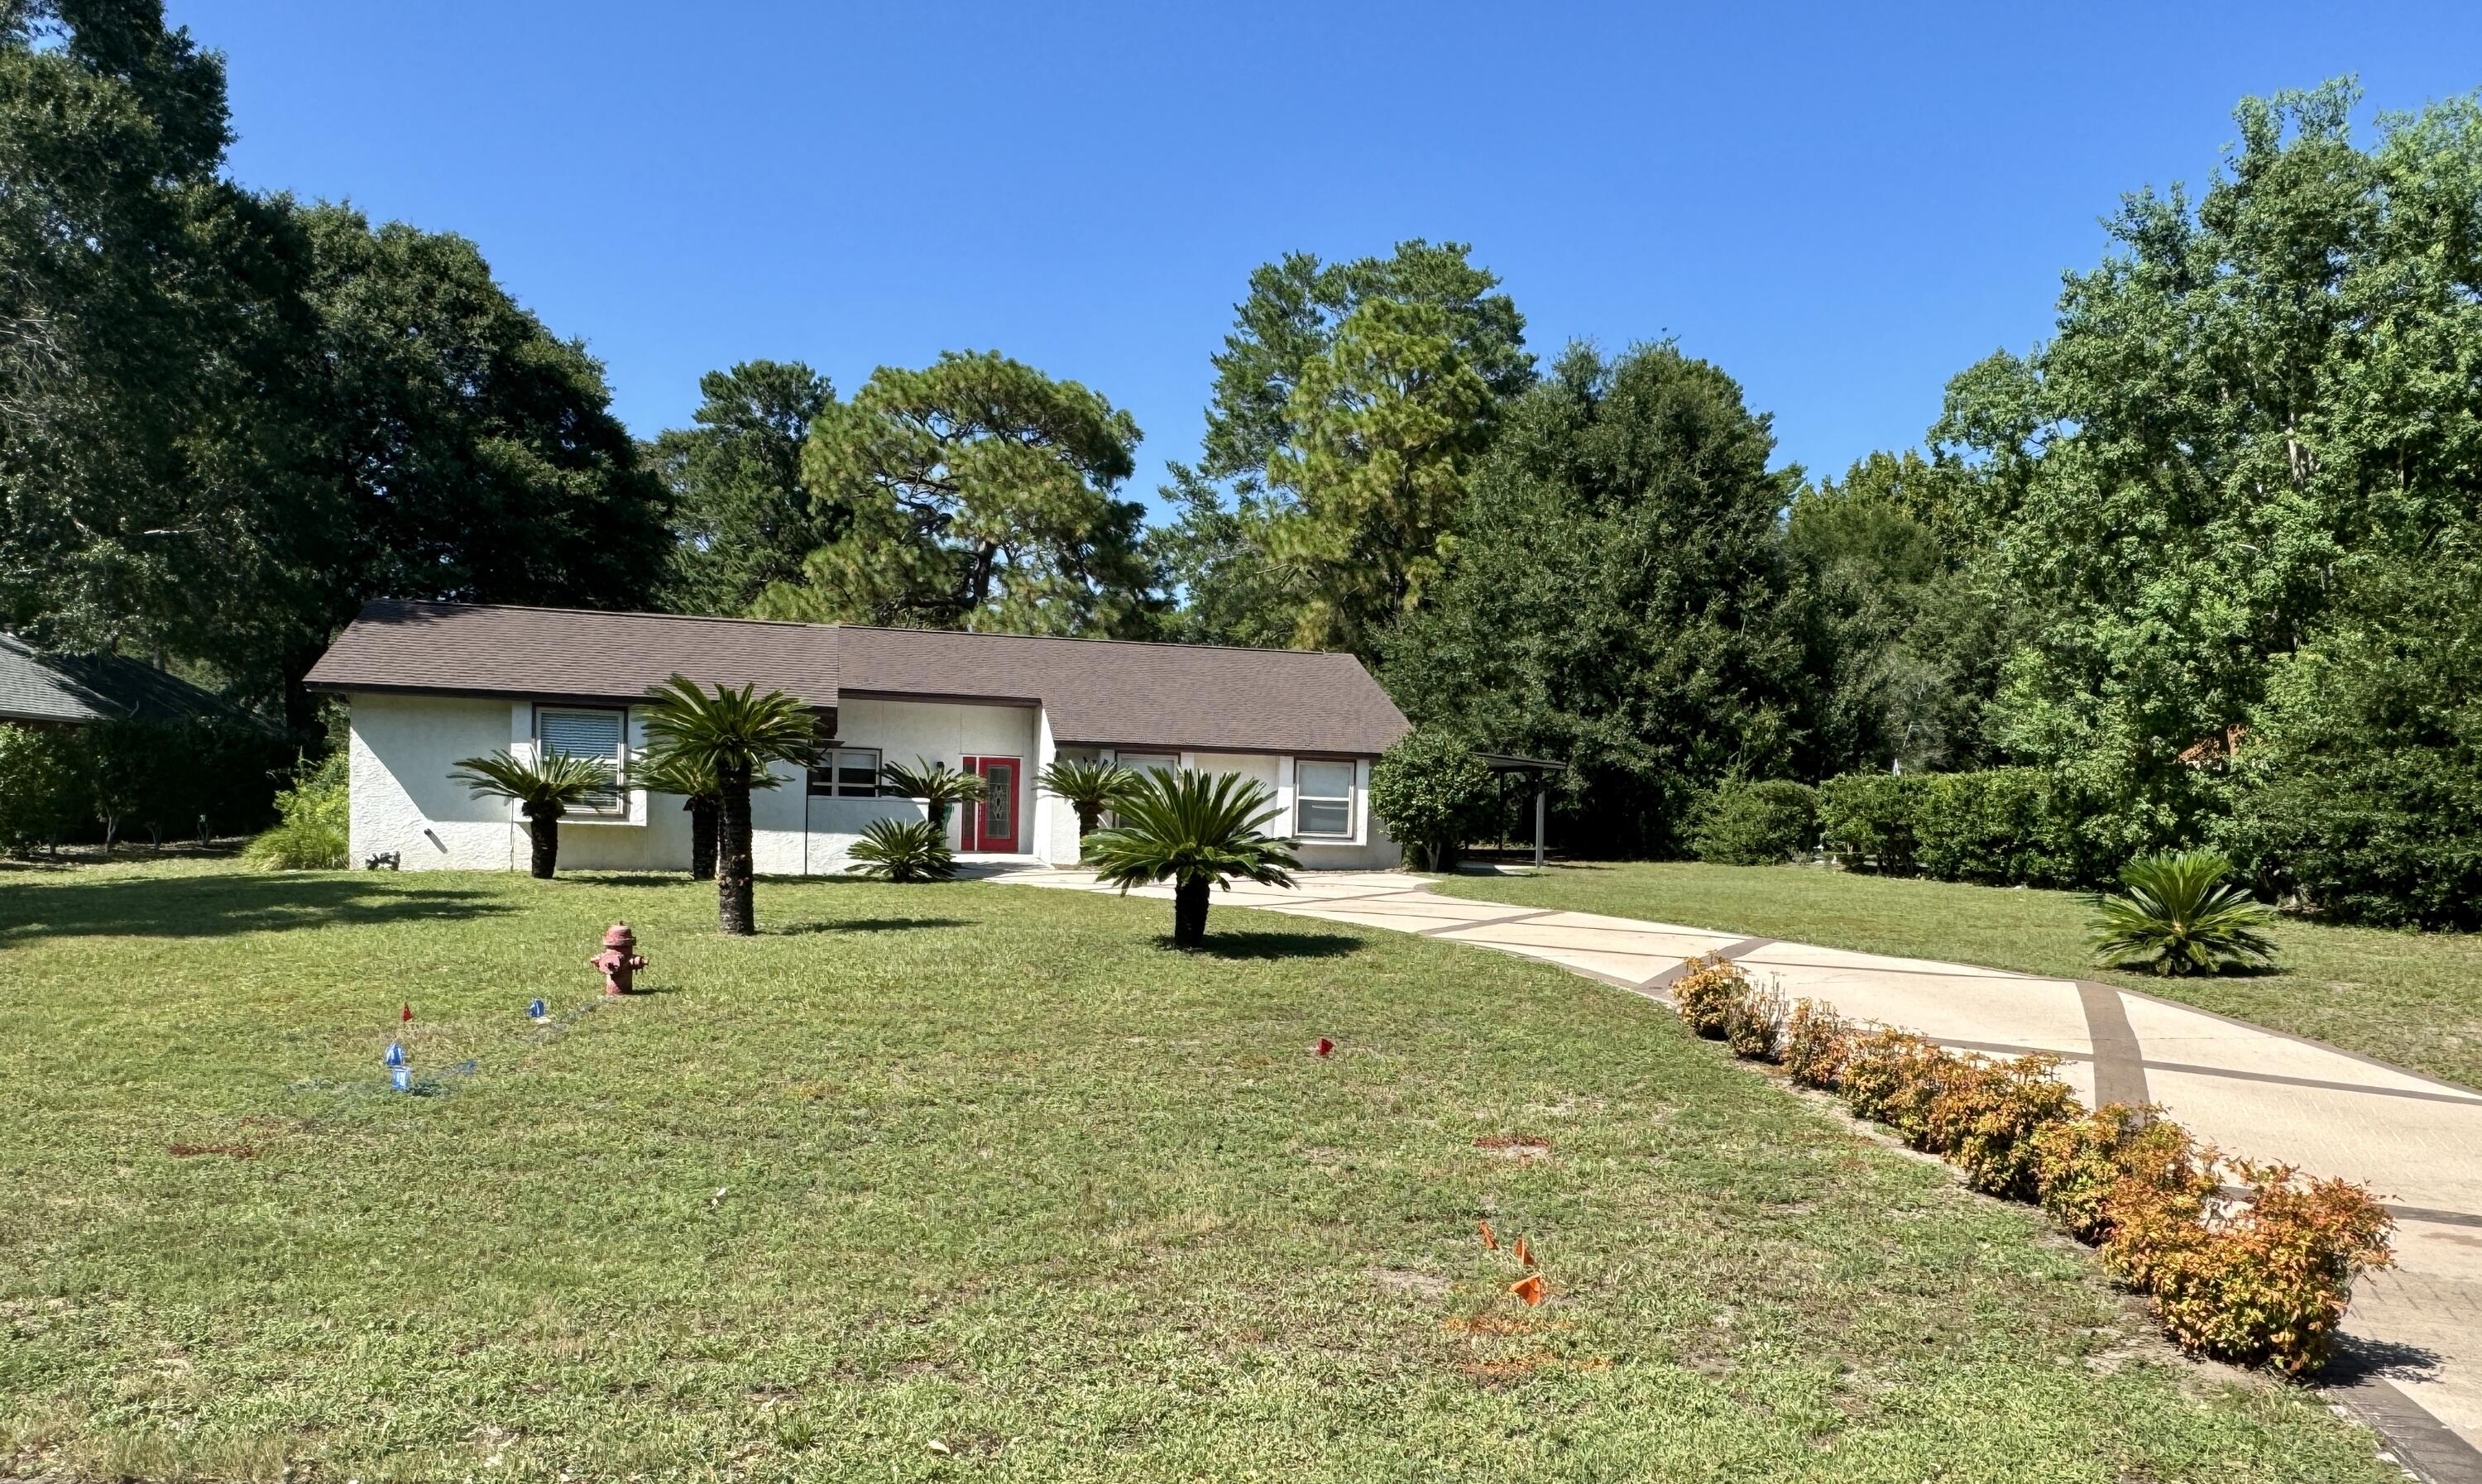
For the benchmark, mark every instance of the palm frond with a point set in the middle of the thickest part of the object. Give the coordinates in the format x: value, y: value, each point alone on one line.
x: 902, y: 851
x: 727, y: 730
x: 2178, y: 914
x: 1191, y: 827
x: 550, y: 782
x: 935, y: 784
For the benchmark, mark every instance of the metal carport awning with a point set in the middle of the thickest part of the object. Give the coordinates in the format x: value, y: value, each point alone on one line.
x: 1540, y: 769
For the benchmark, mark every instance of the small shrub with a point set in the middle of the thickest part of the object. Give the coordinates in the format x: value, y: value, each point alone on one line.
x: 1816, y: 1042
x: 1893, y: 1076
x: 2266, y: 1282
x: 1434, y: 795
x: 2181, y: 914
x: 1754, y: 824
x: 2117, y: 1153
x: 313, y: 820
x: 1867, y: 819
x: 1754, y: 1025
x: 1988, y: 1114
x: 1705, y: 995
x: 898, y: 850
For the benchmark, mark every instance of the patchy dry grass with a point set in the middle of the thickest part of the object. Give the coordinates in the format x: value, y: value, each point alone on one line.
x: 976, y: 1181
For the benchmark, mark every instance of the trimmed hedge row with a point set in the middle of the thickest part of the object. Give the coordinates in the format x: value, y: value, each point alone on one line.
x: 1999, y: 826
x: 2261, y: 1279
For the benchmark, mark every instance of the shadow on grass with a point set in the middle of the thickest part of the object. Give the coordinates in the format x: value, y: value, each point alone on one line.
x: 874, y: 925
x: 1271, y: 945
x: 218, y: 906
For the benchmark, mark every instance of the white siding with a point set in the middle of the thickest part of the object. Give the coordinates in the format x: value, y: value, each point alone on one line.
x: 403, y: 748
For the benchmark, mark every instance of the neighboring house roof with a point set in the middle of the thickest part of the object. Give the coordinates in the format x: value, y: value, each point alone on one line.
x: 79, y: 689
x: 570, y: 653
x: 1096, y: 692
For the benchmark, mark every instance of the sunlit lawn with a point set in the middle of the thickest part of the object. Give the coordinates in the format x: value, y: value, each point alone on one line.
x: 2412, y: 998
x: 981, y: 1182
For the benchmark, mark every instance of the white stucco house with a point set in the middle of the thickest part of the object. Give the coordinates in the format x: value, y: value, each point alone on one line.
x: 430, y: 683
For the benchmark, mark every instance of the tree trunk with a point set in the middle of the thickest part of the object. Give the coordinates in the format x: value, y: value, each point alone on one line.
x: 1089, y: 815
x: 1189, y: 914
x: 735, y: 912
x: 546, y: 830
x: 701, y: 810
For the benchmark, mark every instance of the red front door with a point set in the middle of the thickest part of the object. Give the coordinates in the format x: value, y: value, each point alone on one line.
x: 992, y: 825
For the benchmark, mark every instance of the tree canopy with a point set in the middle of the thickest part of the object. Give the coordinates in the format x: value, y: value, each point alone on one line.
x: 1618, y: 595
x: 983, y: 495
x: 742, y: 515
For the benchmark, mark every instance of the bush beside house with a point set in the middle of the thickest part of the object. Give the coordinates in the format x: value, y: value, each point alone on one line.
x: 1434, y: 795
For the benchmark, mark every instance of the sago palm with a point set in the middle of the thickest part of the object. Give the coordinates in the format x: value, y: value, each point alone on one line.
x: 735, y: 735
x: 938, y: 785
x: 1090, y: 785
x: 1197, y: 831
x: 544, y: 788
x: 902, y: 850
x: 2178, y: 915
x: 696, y: 786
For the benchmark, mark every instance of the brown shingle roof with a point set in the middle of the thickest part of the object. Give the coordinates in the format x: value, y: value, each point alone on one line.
x: 1096, y: 692
x: 1117, y: 693
x: 569, y: 654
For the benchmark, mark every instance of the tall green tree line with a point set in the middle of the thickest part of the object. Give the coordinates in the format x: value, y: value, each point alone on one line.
x: 228, y: 419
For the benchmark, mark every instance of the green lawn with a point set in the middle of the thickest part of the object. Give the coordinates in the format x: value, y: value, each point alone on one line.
x: 985, y: 1168
x: 2410, y: 998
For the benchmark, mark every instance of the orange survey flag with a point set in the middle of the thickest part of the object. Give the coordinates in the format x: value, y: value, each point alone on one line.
x: 1531, y: 1287
x: 1487, y: 1241
x: 1523, y: 1252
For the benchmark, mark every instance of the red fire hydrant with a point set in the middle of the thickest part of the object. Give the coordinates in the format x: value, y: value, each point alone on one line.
x: 617, y: 963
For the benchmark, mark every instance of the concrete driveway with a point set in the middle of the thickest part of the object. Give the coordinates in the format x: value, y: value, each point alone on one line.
x: 2256, y: 1093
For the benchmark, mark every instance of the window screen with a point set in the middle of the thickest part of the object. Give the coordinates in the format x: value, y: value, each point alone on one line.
x: 1323, y: 798
x: 595, y: 734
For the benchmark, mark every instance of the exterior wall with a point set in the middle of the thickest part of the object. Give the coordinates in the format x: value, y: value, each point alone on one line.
x: 1368, y: 849
x: 939, y: 731
x: 403, y: 748
x: 1055, y: 823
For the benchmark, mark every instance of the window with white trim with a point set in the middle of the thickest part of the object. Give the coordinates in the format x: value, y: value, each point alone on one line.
x: 846, y: 773
x: 595, y: 735
x: 1323, y: 799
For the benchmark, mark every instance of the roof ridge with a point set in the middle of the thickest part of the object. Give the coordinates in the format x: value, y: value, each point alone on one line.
x: 1159, y: 644
x: 875, y: 628
x: 599, y: 613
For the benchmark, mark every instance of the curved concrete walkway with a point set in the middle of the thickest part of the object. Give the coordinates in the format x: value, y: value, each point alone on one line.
x: 2259, y: 1094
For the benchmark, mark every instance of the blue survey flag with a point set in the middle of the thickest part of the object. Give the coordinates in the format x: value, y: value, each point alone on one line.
x: 536, y: 1010
x: 396, y: 1053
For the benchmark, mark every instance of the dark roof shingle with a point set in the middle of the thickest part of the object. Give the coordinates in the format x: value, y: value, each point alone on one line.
x: 1117, y: 693
x: 1096, y: 692
x: 570, y: 653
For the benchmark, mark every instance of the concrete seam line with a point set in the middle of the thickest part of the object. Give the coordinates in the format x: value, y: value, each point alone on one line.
x: 2119, y: 1061
x: 1475, y: 922
x: 2426, y: 1447
x: 1729, y: 951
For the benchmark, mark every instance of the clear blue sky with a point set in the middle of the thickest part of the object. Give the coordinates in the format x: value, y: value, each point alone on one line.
x: 1843, y: 205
